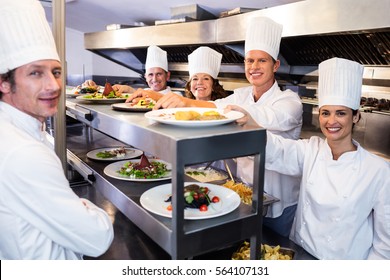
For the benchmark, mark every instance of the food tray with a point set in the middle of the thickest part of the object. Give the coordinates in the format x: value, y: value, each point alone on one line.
x: 208, y: 175
x: 274, y: 252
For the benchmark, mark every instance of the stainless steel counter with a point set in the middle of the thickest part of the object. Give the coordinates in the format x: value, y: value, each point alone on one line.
x: 130, y: 242
x: 181, y: 147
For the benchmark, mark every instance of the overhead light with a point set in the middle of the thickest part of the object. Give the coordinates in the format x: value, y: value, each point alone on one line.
x: 49, y: 4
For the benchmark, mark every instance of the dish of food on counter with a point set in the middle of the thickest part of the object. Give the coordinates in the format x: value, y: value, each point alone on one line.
x: 205, y: 175
x: 193, y: 117
x: 157, y: 200
x: 267, y: 252
x: 142, y: 170
x: 81, y: 90
x: 108, y: 95
x: 143, y: 105
x: 196, y: 197
x: 114, y: 153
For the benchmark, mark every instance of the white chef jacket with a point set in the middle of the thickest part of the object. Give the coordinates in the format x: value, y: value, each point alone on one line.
x: 344, y: 205
x: 166, y: 90
x: 280, y: 112
x: 40, y: 216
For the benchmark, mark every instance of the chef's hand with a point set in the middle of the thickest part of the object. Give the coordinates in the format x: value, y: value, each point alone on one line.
x: 141, y: 93
x: 171, y: 100
x: 89, y: 83
x: 246, y: 120
x: 123, y: 88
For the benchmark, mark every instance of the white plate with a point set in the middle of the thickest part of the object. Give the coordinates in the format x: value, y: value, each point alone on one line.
x: 167, y: 116
x: 85, y: 98
x: 128, y: 107
x: 111, y: 171
x: 130, y: 153
x: 70, y: 91
x: 153, y: 200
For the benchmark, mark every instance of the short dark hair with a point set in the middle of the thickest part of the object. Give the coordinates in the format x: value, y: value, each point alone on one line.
x: 8, y: 77
x: 354, y: 113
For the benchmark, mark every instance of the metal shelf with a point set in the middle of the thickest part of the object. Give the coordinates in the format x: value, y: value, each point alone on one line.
x: 179, y: 146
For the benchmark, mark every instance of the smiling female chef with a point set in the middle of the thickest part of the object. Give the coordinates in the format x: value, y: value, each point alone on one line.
x: 344, y: 201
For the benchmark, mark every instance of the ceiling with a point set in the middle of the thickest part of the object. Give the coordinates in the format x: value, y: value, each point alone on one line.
x: 94, y: 15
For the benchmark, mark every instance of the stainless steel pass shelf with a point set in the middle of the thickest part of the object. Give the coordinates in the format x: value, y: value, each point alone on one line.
x: 180, y: 146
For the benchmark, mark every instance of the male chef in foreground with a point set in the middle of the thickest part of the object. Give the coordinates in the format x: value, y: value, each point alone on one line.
x: 40, y: 216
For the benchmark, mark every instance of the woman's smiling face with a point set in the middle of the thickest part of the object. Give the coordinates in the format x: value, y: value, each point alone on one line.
x: 202, y: 86
x: 336, y: 122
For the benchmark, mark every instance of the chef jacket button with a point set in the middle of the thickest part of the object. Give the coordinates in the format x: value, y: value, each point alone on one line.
x: 304, y: 223
x: 301, y: 241
x: 337, y: 219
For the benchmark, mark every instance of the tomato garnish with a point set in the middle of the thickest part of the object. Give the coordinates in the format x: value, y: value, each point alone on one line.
x: 203, y: 208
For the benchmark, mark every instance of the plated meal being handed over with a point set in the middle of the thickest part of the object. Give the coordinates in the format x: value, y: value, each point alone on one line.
x: 143, y: 105
x: 193, y: 117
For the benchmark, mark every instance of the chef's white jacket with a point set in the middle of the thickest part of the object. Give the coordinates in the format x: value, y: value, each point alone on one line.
x: 166, y: 90
x: 344, y: 205
x: 281, y: 113
x: 40, y: 216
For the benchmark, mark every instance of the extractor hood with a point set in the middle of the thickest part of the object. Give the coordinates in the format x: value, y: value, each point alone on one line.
x: 314, y: 30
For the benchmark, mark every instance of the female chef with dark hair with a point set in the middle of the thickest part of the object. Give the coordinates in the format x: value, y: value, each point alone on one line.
x: 344, y: 201
x: 204, y: 64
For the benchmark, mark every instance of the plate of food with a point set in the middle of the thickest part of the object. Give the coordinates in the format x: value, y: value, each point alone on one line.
x: 108, y: 95
x: 114, y: 153
x: 82, y: 90
x: 202, y: 200
x: 99, y: 98
x: 193, y: 117
x: 143, y: 105
x: 140, y: 170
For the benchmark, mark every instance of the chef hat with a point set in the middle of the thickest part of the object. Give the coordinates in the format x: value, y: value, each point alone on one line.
x: 340, y: 83
x: 204, y: 60
x: 156, y: 57
x: 25, y: 35
x: 263, y: 34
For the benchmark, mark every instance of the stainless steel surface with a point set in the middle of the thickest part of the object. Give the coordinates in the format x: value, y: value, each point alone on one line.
x: 131, y: 243
x: 178, y: 237
x: 314, y: 30
x: 59, y: 119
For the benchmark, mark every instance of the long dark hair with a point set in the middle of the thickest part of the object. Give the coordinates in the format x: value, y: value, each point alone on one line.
x: 217, y: 91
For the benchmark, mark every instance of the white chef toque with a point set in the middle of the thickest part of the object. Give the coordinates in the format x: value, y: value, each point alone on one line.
x: 340, y: 83
x: 204, y: 60
x: 263, y: 34
x: 25, y: 35
x: 156, y: 57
